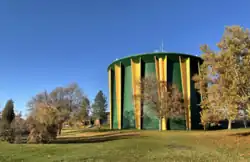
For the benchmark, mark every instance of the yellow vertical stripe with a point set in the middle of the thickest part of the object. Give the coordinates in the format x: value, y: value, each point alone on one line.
x: 118, y: 93
x: 156, y: 67
x: 161, y: 75
x: 161, y: 70
x: 184, y: 88
x: 189, y: 90
x: 110, y: 100
x: 165, y: 68
x: 158, y: 70
x: 164, y: 78
x: 136, y: 76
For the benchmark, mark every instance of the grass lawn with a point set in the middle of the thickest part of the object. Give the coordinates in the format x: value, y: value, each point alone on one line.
x: 139, y: 146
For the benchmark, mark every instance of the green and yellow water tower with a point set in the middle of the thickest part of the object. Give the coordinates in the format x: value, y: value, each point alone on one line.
x: 175, y: 68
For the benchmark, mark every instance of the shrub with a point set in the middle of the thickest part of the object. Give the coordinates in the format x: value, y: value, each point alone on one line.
x: 6, y: 132
x: 40, y: 132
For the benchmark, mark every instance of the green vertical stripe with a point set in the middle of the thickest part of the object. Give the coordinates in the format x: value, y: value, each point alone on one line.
x: 174, y: 77
x: 128, y: 115
x: 150, y: 119
x: 114, y: 105
x: 195, y: 98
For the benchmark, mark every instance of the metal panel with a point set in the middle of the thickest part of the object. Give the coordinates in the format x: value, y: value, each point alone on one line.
x: 118, y: 93
x: 174, y: 77
x: 161, y: 74
x: 128, y: 114
x: 150, y: 119
x: 186, y: 78
x: 136, y: 76
x: 113, y: 100
x: 195, y: 97
x: 110, y: 99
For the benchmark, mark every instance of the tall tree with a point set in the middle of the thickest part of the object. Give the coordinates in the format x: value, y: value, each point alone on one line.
x: 205, y: 82
x: 99, y: 106
x: 230, y: 72
x: 82, y: 114
x: 163, y: 98
x: 84, y: 109
x: 8, y: 113
x: 66, y: 100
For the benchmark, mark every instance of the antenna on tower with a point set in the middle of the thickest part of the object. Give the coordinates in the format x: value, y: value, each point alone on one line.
x: 162, y: 46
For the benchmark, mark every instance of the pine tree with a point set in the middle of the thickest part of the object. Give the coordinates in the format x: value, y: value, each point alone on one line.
x: 7, y: 132
x: 99, y: 106
x: 8, y: 114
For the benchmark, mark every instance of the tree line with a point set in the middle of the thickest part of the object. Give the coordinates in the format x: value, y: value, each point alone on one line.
x: 48, y: 111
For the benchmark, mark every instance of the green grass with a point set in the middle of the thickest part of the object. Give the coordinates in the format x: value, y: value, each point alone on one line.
x: 139, y: 146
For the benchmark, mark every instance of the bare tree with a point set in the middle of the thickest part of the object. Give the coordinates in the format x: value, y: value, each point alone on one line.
x: 162, y: 98
x: 65, y: 100
x: 81, y: 115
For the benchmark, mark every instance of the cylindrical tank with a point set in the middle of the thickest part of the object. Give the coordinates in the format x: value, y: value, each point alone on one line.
x: 175, y: 68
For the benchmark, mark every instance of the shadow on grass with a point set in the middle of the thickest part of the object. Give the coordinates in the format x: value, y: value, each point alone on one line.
x: 84, y: 130
x: 97, y: 138
x: 179, y: 147
x: 96, y: 130
x: 241, y: 134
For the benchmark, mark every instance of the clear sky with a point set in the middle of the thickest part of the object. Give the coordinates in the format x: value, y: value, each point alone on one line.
x: 49, y: 43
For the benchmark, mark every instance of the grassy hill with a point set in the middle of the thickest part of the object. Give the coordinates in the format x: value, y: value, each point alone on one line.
x: 140, y: 146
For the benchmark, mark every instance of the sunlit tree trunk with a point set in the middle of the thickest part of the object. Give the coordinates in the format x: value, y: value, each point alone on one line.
x: 229, y: 124
x: 245, y: 123
x: 204, y: 126
x: 160, y: 124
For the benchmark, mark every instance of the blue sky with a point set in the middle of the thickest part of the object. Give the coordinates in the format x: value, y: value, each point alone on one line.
x: 45, y: 43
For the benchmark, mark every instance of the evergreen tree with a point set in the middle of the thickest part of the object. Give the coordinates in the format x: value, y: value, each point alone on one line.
x: 7, y: 132
x: 8, y: 113
x: 99, y: 106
